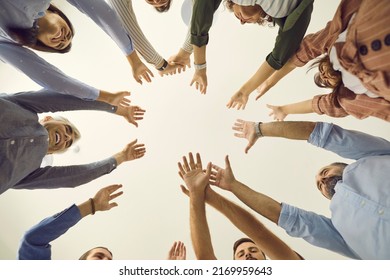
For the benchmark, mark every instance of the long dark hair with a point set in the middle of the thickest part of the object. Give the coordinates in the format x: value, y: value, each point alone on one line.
x: 264, y: 17
x: 28, y: 36
x: 324, y: 63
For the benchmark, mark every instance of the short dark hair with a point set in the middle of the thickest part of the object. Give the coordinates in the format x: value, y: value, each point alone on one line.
x: 28, y: 36
x: 86, y: 254
x: 243, y: 240
x: 164, y: 8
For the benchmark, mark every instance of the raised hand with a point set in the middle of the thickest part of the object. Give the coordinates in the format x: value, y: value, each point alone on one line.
x: 172, y: 69
x: 238, y: 100
x: 131, y: 113
x: 277, y: 112
x: 130, y: 152
x: 177, y: 252
x: 181, y: 58
x: 116, y: 99
x: 222, y: 178
x: 192, y: 173
x: 103, y: 197
x: 200, y: 80
x: 140, y: 71
x: 246, y: 130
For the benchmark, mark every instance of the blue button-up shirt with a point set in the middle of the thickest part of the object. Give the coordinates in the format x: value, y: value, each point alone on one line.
x: 35, y: 244
x: 359, y: 226
x: 23, y: 14
x: 24, y: 142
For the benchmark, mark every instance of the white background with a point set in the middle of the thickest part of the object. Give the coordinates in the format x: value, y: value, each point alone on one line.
x: 153, y: 212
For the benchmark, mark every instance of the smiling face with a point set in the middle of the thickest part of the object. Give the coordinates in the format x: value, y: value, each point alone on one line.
x: 248, y: 251
x: 247, y: 14
x: 54, y: 32
x: 61, y: 133
x: 327, y: 178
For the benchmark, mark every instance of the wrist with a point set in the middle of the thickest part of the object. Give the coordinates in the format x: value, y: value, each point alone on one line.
x: 163, y: 66
x: 201, y: 66
x: 133, y: 59
x: 119, y: 157
x: 257, y: 127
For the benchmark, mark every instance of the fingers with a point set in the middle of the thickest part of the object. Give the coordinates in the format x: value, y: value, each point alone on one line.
x: 112, y: 205
x: 139, y: 150
x: 186, y: 166
x: 198, y: 161
x: 184, y: 190
x: 192, y: 162
x: 132, y: 143
x: 181, y: 170
x: 115, y: 195
x: 113, y: 188
x: 208, y: 169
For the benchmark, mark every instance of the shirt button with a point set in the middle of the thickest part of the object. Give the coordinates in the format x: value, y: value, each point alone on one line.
x: 363, y: 50
x: 362, y: 203
x: 31, y: 140
x: 381, y: 212
x: 376, y: 45
x: 387, y: 40
x: 12, y: 142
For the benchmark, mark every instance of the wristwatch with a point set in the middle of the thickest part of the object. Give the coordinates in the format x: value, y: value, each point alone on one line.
x: 165, y: 64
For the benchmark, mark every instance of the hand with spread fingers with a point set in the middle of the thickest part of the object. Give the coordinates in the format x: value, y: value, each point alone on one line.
x: 192, y: 173
x: 116, y: 99
x: 200, y: 80
x: 142, y: 72
x: 238, y: 100
x: 172, y: 69
x: 182, y: 58
x: 131, y: 113
x: 277, y: 112
x: 132, y: 151
x: 103, y: 197
x: 177, y: 252
x: 222, y: 178
x: 246, y: 130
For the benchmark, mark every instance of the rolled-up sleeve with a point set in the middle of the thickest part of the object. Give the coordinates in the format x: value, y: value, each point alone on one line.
x: 201, y: 21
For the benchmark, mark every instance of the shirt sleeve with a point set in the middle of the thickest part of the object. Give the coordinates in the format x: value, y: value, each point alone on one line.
x: 187, y: 46
x: 43, y: 73
x: 35, y: 244
x: 348, y: 143
x: 201, y: 20
x: 48, y: 101
x: 316, y: 44
x: 53, y: 177
x: 102, y: 14
x: 313, y: 228
x: 344, y: 102
x: 124, y: 9
x: 288, y: 41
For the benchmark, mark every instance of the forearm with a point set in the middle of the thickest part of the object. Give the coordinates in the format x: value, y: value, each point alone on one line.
x: 85, y: 208
x: 50, y: 101
x: 200, y: 233
x: 263, y: 73
x: 128, y: 18
x: 199, y: 55
x: 304, y: 107
x: 290, y: 130
x: 262, y: 204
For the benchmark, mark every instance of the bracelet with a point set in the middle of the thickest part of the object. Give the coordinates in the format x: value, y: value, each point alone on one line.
x: 165, y: 64
x: 200, y: 66
x: 257, y: 129
x: 92, y: 205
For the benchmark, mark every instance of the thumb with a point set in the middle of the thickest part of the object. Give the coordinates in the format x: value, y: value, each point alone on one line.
x: 208, y: 170
x: 248, y: 147
x: 184, y: 190
x: 227, y: 162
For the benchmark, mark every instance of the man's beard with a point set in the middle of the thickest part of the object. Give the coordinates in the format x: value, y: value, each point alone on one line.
x: 330, y: 183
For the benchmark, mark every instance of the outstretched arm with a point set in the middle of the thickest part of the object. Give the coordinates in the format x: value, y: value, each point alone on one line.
x: 253, y: 131
x: 53, y: 177
x: 262, y: 204
x: 269, y: 243
x: 280, y: 112
x: 35, y: 244
x: 196, y: 181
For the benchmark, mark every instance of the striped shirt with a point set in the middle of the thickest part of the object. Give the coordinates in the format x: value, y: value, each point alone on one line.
x: 124, y: 9
x: 274, y: 8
